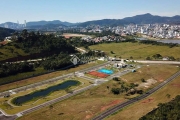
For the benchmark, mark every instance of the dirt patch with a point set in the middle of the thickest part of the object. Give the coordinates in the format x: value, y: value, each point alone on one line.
x: 110, y: 105
x: 147, y: 84
x: 124, y: 79
x: 88, y: 116
x: 176, y: 85
x: 148, y: 100
x: 68, y: 35
x: 161, y: 80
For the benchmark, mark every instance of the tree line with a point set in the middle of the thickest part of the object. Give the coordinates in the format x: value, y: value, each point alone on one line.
x: 165, y: 111
x: 5, y: 32
x: 12, y: 69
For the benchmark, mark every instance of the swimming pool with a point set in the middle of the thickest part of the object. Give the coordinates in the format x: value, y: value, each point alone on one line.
x: 109, y: 72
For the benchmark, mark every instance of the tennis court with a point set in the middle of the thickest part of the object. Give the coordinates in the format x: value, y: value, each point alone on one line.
x: 98, y: 74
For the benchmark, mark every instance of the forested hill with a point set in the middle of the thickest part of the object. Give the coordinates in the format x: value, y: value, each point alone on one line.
x: 166, y: 111
x: 35, y: 45
x: 4, y: 32
x: 138, y: 19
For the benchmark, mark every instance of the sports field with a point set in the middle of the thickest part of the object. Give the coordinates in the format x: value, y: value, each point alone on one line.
x: 98, y: 74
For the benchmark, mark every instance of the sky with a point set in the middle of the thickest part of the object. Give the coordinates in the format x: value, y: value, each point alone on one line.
x: 83, y: 10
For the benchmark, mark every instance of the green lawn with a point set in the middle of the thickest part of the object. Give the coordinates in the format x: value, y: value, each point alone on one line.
x: 136, y: 50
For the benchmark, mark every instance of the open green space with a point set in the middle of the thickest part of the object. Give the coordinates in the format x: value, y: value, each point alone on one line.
x: 135, y: 50
x: 96, y: 100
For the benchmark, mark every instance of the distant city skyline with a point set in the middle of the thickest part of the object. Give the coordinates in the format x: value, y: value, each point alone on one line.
x: 83, y: 10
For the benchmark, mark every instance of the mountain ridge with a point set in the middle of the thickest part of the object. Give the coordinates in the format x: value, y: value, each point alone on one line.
x: 137, y: 19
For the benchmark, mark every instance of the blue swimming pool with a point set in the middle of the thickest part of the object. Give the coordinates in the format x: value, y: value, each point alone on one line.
x: 109, y: 72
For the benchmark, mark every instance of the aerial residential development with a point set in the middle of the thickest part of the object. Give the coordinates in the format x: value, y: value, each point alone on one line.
x: 90, y: 60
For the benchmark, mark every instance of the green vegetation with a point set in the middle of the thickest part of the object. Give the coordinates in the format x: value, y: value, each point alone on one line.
x: 10, y: 51
x: 170, y: 45
x: 165, y: 111
x: 129, y: 89
x: 5, y: 32
x: 30, y: 45
x: 26, y: 45
x: 12, y: 69
x: 136, y: 50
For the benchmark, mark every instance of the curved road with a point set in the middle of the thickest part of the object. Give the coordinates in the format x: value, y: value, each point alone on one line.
x: 122, y: 105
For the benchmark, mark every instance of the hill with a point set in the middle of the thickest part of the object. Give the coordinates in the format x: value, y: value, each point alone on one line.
x: 138, y: 19
x: 104, y: 22
x: 41, y: 23
x: 46, y: 26
x: 4, y: 32
x: 38, y: 24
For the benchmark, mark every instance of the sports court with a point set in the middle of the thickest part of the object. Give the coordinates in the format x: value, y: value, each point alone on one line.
x: 106, y: 71
x: 98, y: 74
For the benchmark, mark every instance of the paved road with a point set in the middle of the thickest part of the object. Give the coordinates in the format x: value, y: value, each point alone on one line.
x: 122, y: 105
x: 157, y: 62
x: 4, y: 116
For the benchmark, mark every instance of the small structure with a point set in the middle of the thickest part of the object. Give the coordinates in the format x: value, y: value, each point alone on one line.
x: 133, y: 70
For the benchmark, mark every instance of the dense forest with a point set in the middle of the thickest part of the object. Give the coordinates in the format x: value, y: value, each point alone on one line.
x: 32, y: 42
x: 4, y: 32
x: 165, y: 111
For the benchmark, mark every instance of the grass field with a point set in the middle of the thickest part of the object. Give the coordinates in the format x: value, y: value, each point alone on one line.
x: 45, y: 77
x: 156, y: 72
x: 142, y: 107
x: 91, y: 102
x: 136, y: 50
x: 9, y: 51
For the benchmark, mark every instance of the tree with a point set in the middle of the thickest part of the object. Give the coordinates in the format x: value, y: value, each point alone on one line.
x: 157, y: 56
x: 116, y: 79
x: 24, y: 33
x: 148, y: 58
x: 143, y: 80
x: 168, y: 95
x: 112, y: 52
x: 115, y: 91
